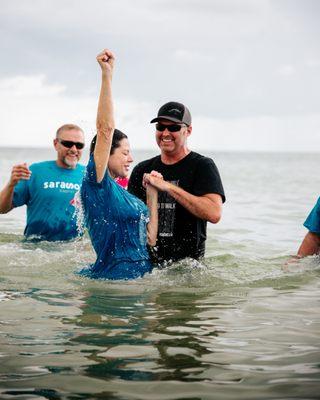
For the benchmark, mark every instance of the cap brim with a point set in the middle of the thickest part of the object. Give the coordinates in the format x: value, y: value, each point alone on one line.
x: 165, y: 118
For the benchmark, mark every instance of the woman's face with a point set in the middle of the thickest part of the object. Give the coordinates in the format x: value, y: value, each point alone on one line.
x: 120, y: 160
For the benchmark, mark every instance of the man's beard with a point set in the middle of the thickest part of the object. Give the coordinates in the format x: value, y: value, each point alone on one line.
x: 69, y: 163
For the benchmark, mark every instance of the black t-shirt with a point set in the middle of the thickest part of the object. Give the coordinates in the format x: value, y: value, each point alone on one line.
x: 180, y: 234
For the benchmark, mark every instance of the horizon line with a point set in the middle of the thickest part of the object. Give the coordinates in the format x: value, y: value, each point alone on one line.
x: 196, y: 150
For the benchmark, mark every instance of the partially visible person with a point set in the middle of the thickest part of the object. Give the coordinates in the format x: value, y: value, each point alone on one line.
x: 48, y: 188
x: 118, y: 223
x: 191, y: 192
x: 123, y: 182
x: 311, y: 242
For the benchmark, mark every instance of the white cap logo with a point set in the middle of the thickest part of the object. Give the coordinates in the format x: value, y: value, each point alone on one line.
x: 175, y: 110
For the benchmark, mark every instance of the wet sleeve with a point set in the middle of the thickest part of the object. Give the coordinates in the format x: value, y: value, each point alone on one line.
x: 312, y: 223
x: 208, y: 179
x: 21, y: 194
x: 90, y: 176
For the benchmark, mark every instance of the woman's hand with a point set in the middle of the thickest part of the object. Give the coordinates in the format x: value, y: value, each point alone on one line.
x: 106, y: 60
x: 156, y: 180
x: 148, y: 178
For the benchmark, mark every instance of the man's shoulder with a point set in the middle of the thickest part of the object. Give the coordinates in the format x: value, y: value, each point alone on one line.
x: 53, y: 164
x: 41, y: 165
x: 199, y: 156
x: 199, y: 159
x: 80, y: 168
x: 50, y: 169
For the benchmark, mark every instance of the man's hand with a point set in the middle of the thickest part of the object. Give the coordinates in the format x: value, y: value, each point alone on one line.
x: 207, y: 207
x: 106, y: 60
x: 155, y: 179
x: 18, y: 172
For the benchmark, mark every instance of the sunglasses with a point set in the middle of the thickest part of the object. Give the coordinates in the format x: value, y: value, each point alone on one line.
x: 171, y: 128
x: 68, y: 144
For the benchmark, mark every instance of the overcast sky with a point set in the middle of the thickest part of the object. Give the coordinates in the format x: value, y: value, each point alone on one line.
x: 249, y: 70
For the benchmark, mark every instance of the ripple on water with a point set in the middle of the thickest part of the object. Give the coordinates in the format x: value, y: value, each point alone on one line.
x: 236, y: 320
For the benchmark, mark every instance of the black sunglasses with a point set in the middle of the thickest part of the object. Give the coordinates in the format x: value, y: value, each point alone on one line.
x: 171, y: 128
x: 69, y: 144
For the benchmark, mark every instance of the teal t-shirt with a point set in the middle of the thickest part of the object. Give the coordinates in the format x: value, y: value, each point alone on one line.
x: 116, y: 222
x: 49, y: 197
x: 312, y: 223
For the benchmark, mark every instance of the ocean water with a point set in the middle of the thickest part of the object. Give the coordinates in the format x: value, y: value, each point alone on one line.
x: 244, y: 324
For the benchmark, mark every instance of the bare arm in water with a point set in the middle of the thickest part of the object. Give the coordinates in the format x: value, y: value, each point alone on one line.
x: 310, y: 245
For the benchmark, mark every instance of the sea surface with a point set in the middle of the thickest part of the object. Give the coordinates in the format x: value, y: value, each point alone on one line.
x: 243, y: 324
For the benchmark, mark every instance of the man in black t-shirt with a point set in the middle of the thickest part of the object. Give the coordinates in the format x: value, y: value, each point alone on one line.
x: 190, y: 194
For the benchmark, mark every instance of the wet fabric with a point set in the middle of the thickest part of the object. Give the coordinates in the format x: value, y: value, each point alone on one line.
x: 312, y: 223
x: 49, y: 197
x: 116, y: 221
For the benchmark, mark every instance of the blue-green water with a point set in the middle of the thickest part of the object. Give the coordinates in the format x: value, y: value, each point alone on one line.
x: 242, y: 325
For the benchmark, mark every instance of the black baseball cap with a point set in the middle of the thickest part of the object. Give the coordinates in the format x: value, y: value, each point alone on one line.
x: 175, y: 112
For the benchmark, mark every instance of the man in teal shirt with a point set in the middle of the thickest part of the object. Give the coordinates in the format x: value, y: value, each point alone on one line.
x: 48, y: 189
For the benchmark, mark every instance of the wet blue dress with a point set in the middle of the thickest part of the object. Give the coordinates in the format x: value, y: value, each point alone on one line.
x: 116, y: 221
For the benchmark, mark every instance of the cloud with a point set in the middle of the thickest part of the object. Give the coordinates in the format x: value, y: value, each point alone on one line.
x: 229, y: 51
x: 313, y: 63
x: 24, y: 87
x: 33, y: 109
x: 286, y: 70
x: 263, y: 133
x: 232, y: 62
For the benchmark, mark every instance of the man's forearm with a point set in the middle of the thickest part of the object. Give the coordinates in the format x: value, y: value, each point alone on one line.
x: 201, y: 207
x: 6, y: 198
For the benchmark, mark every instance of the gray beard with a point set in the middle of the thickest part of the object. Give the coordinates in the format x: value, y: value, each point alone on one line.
x: 69, y: 164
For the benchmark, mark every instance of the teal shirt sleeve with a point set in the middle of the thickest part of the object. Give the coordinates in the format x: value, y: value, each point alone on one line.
x: 21, y: 194
x: 91, y: 174
x: 312, y: 223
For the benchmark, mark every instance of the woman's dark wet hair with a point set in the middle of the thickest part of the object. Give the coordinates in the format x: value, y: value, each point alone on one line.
x: 117, y: 137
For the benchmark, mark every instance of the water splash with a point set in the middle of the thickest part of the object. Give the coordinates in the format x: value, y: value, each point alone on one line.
x: 79, y: 213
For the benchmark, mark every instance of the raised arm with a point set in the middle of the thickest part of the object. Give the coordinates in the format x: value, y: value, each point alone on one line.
x: 18, y: 172
x: 105, y: 118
